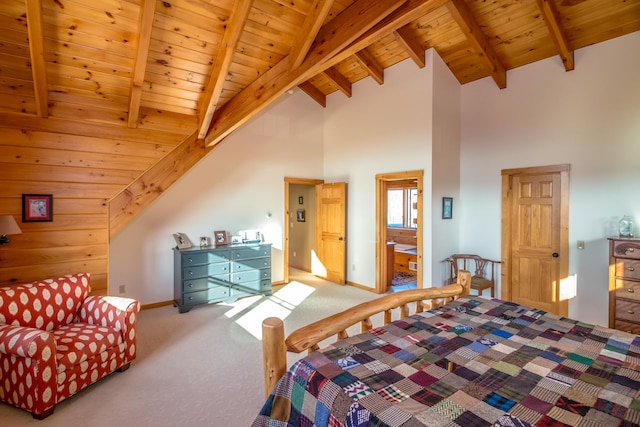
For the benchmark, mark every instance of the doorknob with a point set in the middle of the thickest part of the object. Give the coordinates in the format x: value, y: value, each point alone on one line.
x: 555, y: 255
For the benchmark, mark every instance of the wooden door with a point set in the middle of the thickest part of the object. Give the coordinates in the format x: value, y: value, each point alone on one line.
x: 331, y: 231
x: 535, y: 237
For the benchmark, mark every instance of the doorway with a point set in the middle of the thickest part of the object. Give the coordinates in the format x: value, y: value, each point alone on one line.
x: 387, y: 257
x: 535, y: 237
x: 299, y: 228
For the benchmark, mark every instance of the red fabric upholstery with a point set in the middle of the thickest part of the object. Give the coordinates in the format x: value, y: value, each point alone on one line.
x: 56, y: 340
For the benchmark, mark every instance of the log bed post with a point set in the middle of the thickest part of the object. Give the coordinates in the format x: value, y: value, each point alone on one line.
x: 275, y: 347
x: 274, y: 352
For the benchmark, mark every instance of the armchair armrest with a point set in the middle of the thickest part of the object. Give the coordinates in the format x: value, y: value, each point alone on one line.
x: 26, y: 342
x: 108, y: 311
x: 116, y: 312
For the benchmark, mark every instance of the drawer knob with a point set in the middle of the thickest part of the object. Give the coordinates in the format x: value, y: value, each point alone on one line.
x: 631, y: 312
x: 190, y: 298
x: 631, y: 269
x: 190, y: 272
x: 191, y: 285
x: 630, y: 290
x: 629, y: 250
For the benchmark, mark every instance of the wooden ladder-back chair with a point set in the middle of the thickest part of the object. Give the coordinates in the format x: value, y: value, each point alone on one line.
x: 483, y: 270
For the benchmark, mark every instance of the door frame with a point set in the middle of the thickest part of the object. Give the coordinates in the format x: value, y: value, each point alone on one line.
x: 382, y: 183
x: 287, y: 182
x: 506, y: 237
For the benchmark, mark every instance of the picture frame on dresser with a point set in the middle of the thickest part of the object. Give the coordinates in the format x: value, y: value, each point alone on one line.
x: 221, y: 238
x: 182, y: 240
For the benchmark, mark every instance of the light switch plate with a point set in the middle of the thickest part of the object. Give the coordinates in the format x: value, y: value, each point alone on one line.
x: 580, y: 244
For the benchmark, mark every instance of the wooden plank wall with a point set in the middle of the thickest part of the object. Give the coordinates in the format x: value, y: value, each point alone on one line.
x: 83, y: 165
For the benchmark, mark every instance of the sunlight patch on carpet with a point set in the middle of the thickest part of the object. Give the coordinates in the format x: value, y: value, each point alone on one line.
x: 280, y: 305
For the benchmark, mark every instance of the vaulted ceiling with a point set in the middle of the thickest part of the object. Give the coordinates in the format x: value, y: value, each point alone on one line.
x: 210, y: 65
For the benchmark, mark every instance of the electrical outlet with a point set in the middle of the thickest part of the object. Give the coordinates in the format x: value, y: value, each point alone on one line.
x: 294, y: 254
x: 121, y: 289
x: 580, y: 244
x: 353, y: 267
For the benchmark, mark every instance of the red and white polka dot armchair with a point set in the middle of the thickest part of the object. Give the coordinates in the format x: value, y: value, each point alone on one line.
x: 56, y: 340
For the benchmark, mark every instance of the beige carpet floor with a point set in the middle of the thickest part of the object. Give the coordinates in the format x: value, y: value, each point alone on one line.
x: 201, y: 368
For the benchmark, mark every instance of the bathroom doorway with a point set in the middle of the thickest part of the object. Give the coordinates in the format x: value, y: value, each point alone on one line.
x: 399, y: 229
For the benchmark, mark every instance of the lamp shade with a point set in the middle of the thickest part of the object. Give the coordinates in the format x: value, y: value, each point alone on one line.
x: 8, y: 225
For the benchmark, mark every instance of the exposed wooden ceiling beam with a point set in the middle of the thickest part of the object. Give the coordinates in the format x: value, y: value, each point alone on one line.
x: 140, y: 66
x: 552, y: 19
x: 371, y: 66
x: 211, y: 97
x: 408, y: 12
x: 341, y: 81
x: 333, y: 38
x: 411, y: 44
x: 315, y: 93
x: 469, y: 26
x: 38, y: 64
x: 312, y: 24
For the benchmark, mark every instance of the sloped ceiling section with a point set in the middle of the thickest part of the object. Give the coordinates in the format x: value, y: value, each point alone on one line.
x: 207, y: 66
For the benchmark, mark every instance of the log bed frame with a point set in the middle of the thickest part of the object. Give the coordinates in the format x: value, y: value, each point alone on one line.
x: 275, y: 346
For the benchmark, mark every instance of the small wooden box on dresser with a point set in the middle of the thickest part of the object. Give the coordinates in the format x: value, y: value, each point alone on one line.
x: 220, y: 274
x: 624, y: 284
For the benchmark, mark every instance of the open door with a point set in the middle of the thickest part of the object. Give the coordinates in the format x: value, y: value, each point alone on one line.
x: 331, y: 231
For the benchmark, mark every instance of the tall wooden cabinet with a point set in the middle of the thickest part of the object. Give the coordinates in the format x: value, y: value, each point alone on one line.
x: 226, y: 273
x: 624, y: 284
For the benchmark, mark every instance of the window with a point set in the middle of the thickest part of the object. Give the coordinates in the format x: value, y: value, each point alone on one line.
x: 402, y: 209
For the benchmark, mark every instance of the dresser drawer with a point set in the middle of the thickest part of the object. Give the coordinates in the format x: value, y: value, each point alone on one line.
x: 251, y: 252
x: 255, y: 286
x: 627, y: 268
x: 627, y: 289
x: 196, y: 271
x: 634, y: 328
x: 205, y: 283
x: 197, y: 258
x: 202, y: 297
x: 250, y: 264
x: 251, y: 275
x: 626, y: 249
x: 628, y: 310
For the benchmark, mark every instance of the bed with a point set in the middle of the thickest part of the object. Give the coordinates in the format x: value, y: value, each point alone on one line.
x: 468, y: 362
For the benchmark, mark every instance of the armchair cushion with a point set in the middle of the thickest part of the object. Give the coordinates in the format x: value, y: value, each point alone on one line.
x: 79, y: 342
x: 45, y: 304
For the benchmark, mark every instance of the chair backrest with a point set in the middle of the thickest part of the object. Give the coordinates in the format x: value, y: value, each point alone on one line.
x: 44, y: 304
x: 474, y: 263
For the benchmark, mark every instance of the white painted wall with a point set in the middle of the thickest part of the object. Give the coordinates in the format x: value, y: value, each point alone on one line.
x: 233, y: 188
x: 445, y: 176
x: 589, y: 118
x: 385, y: 129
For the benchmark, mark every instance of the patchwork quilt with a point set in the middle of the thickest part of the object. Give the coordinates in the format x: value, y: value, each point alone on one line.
x: 472, y: 362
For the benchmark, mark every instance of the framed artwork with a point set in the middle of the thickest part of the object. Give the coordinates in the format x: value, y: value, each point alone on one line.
x: 204, y: 241
x: 300, y: 215
x: 37, y: 207
x: 447, y: 207
x: 182, y: 240
x: 220, y: 237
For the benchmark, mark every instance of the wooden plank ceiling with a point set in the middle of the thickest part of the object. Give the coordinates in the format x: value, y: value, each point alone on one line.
x: 210, y: 65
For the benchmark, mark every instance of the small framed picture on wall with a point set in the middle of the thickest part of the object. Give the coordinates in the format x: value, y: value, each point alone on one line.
x: 447, y: 207
x: 37, y: 207
x: 300, y: 215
